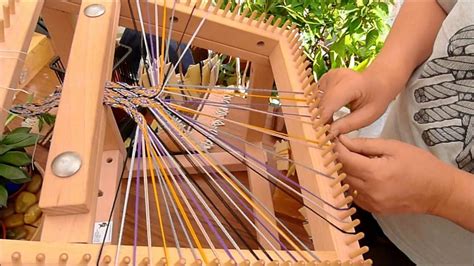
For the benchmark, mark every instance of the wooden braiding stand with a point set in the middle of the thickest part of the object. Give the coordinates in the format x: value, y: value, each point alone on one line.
x: 72, y: 206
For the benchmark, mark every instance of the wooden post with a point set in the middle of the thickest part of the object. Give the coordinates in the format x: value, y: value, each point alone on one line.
x: 80, y: 126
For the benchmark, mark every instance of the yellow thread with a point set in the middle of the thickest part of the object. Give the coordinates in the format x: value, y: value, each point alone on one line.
x: 180, y: 207
x: 242, y: 194
x: 155, y: 191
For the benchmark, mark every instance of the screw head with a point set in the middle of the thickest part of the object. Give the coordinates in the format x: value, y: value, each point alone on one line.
x: 66, y: 164
x: 94, y: 10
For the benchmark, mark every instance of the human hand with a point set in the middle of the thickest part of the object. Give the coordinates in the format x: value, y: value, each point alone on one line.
x: 394, y: 177
x: 367, y: 94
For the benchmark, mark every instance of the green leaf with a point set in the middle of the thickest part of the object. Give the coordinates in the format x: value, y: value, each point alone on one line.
x: 371, y: 38
x: 17, y: 158
x: 30, y: 141
x: 15, y: 138
x: 14, y: 174
x: 20, y: 130
x: 3, y: 196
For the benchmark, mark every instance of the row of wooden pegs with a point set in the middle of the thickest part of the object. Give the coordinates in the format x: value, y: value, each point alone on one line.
x: 8, y: 9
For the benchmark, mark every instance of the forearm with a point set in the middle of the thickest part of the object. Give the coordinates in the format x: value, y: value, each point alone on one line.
x: 458, y: 204
x: 409, y: 43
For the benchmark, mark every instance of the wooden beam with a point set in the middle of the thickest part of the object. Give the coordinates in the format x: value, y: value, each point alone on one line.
x: 61, y: 27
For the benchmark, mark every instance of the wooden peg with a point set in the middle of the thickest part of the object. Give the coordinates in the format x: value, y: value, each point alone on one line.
x: 293, y: 42
x: 347, y: 263
x: 259, y: 263
x: 11, y: 5
x: 292, y: 28
x: 300, y: 263
x: 286, y: 263
x: 268, y: 22
x: 260, y: 19
x: 308, y: 72
x: 350, y: 226
x: 296, y: 50
x: 40, y: 258
x: 235, y: 11
x: 86, y: 258
x: 344, y: 202
x: 145, y: 262
x: 217, y: 7
x: 325, y: 139
x: 245, y: 263
x: 198, y: 4
x: 338, y: 179
x: 321, y: 131
x: 230, y: 263
x: 208, y: 4
x: 358, y: 252
x: 315, y: 113
x: 292, y: 35
x: 368, y: 262
x: 317, y: 123
x: 334, y: 169
x: 327, y: 149
x: 162, y: 262
x: 335, y: 263
x: 273, y: 263
x: 347, y: 213
x: 197, y: 262
x: 330, y: 159
x: 6, y: 16
x: 340, y: 190
x: 188, y: 2
x: 215, y: 262
x: 353, y: 238
x: 308, y: 81
x: 226, y: 9
x: 300, y: 59
x: 244, y: 14
x: 303, y: 66
x: 106, y: 260
x: 2, y: 30
x: 299, y: 55
x: 285, y: 25
x: 252, y: 17
x: 126, y: 260
x: 63, y: 258
x: 180, y: 262
x: 16, y: 257
x: 276, y: 24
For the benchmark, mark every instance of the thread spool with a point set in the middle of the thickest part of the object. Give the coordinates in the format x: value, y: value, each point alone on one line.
x: 338, y: 179
x: 252, y: 17
x: 217, y: 7
x: 330, y: 159
x: 235, y: 11
x: 244, y: 14
x: 340, y: 190
x: 358, y: 252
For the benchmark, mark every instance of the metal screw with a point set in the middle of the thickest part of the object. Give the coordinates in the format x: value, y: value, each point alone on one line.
x: 94, y: 10
x: 66, y: 164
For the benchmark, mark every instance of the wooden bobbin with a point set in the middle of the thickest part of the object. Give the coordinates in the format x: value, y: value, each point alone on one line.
x: 338, y: 179
x: 208, y: 4
x: 334, y: 169
x: 340, y: 190
x: 2, y: 30
x: 344, y: 202
x: 358, y: 252
x: 63, y: 258
x: 235, y: 11
x: 217, y: 7
x: 327, y: 149
x: 226, y: 9
x: 353, y: 238
x: 16, y: 257
x: 244, y: 14
x: 6, y: 16
x: 252, y: 17
x: 345, y: 214
x: 260, y: 19
x: 106, y: 260
x: 40, y: 258
x: 285, y: 25
x: 268, y: 22
x: 330, y: 159
x: 275, y: 25
x: 351, y: 225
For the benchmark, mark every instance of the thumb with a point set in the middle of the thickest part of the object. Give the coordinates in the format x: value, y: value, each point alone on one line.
x: 357, y: 119
x: 366, y: 146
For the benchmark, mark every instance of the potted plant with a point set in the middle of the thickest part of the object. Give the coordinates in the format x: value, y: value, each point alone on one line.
x: 19, y: 184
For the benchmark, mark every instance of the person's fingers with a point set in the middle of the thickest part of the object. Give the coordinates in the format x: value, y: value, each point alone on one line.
x: 366, y: 146
x: 335, y: 98
x: 355, y: 120
x: 355, y: 183
x: 354, y: 164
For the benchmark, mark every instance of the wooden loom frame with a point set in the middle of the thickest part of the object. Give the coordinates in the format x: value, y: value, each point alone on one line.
x: 71, y: 205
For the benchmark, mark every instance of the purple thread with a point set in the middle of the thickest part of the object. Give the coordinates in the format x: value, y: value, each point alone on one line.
x: 137, y: 198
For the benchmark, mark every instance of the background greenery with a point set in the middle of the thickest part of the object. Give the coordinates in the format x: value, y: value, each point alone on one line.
x: 336, y: 33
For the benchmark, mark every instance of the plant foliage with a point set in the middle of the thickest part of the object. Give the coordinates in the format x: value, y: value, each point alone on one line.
x: 336, y: 33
